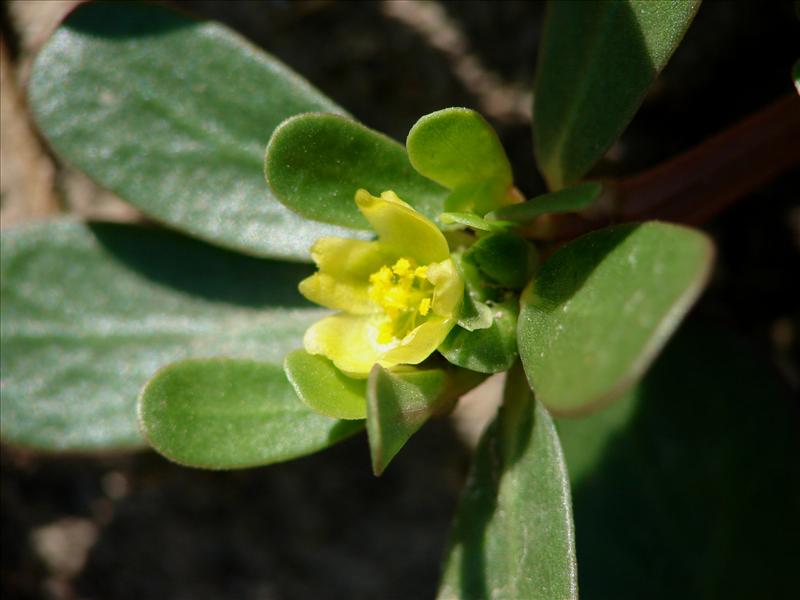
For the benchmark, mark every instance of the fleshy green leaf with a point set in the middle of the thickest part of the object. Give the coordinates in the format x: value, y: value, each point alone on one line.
x: 571, y: 199
x: 506, y: 258
x: 488, y: 350
x: 316, y: 162
x: 466, y: 219
x: 688, y: 486
x: 596, y: 61
x: 603, y: 306
x: 90, y: 313
x: 224, y: 413
x: 398, y: 404
x: 324, y: 388
x: 457, y: 148
x: 173, y: 114
x: 513, y: 534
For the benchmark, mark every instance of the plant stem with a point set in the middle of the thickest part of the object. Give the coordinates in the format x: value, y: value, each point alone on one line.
x: 696, y: 185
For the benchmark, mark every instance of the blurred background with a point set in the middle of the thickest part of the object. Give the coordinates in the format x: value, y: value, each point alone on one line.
x: 137, y: 526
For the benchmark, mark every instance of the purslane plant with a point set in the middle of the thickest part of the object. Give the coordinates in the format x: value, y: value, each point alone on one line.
x: 426, y: 266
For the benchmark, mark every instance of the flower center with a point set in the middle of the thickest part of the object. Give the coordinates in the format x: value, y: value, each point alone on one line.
x: 404, y: 294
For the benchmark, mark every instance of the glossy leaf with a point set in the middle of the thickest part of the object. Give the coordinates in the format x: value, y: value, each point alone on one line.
x: 505, y: 258
x: 513, y: 536
x: 172, y: 114
x: 487, y: 350
x: 91, y: 312
x: 224, y: 413
x: 398, y: 404
x: 688, y: 486
x: 457, y: 147
x: 324, y: 388
x: 315, y: 163
x: 571, y: 199
x: 603, y: 306
x: 596, y: 61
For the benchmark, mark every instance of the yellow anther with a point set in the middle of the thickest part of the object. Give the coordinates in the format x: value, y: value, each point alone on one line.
x: 424, y: 306
x: 401, y: 267
x: 403, y: 293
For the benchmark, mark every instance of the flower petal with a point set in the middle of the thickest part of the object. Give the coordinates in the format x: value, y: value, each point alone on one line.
x: 342, y: 282
x: 401, y: 229
x: 420, y: 343
x: 448, y: 287
x: 348, y: 340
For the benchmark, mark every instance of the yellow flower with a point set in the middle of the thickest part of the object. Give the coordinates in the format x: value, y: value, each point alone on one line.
x: 398, y: 296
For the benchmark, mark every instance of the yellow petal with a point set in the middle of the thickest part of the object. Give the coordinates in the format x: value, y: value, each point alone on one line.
x: 326, y: 290
x: 448, y: 288
x: 401, y: 229
x: 419, y: 343
x: 351, y: 260
x: 350, y: 341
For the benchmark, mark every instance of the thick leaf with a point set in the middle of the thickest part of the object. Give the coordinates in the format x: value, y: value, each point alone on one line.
x: 398, y: 404
x: 603, y: 306
x: 488, y: 350
x: 324, y: 388
x: 513, y: 535
x: 456, y: 147
x: 505, y: 258
x: 224, y: 413
x: 571, y: 199
x: 316, y: 162
x: 596, y: 61
x: 689, y: 486
x: 90, y: 313
x: 173, y: 115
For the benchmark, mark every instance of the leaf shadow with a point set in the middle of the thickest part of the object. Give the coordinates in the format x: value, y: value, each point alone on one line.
x: 694, y: 490
x: 126, y: 19
x: 200, y: 269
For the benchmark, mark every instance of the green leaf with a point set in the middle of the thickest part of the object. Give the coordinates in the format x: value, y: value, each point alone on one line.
x: 603, y: 306
x: 487, y: 350
x: 688, y: 486
x: 596, y: 61
x: 456, y: 147
x: 315, y: 163
x: 232, y: 413
x: 172, y: 114
x: 513, y: 537
x: 324, y: 388
x: 90, y: 312
x: 466, y: 219
x: 506, y: 258
x: 571, y: 199
x: 398, y: 404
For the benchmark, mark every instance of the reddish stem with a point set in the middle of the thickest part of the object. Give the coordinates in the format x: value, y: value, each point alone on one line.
x: 694, y: 186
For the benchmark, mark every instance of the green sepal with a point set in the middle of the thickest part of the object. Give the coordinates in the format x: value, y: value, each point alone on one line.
x: 506, y: 258
x: 489, y: 350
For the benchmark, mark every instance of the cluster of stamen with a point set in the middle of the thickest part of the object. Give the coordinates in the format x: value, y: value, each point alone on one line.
x: 404, y: 294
